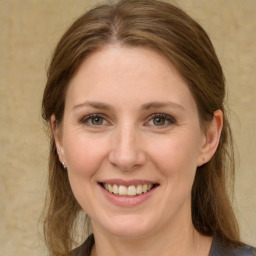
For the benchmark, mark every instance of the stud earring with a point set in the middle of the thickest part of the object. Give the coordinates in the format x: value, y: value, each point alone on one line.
x: 64, y: 166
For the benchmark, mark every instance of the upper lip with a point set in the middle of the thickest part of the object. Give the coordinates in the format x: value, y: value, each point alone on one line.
x: 127, y: 183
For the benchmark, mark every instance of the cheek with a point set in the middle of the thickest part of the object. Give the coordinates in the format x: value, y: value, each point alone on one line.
x: 176, y: 159
x: 176, y: 153
x: 83, y: 154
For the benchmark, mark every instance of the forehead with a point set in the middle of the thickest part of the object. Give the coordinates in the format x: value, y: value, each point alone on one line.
x: 128, y: 74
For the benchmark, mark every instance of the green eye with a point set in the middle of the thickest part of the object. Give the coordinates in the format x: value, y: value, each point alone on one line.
x: 94, y: 120
x: 159, y: 121
x: 97, y: 120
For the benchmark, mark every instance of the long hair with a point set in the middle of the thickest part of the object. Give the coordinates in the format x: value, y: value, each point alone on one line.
x: 167, y: 29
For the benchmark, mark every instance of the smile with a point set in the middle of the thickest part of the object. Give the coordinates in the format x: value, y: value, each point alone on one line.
x: 132, y: 190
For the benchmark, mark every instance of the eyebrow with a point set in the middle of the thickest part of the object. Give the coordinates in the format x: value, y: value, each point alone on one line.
x: 97, y: 105
x: 147, y: 106
x: 161, y: 104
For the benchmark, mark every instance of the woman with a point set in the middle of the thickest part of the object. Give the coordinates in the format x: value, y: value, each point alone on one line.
x: 140, y: 141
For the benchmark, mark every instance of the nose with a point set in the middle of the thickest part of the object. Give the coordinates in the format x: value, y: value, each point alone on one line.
x: 126, y: 152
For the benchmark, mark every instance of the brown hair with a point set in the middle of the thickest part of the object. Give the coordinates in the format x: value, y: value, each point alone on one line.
x: 168, y: 30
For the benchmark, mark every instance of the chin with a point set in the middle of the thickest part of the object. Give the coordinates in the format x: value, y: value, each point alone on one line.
x: 128, y: 227
x: 129, y: 232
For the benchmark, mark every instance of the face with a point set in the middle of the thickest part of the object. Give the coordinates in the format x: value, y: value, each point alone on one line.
x: 131, y: 141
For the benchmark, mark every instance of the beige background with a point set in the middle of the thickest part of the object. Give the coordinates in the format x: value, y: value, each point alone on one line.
x: 29, y: 30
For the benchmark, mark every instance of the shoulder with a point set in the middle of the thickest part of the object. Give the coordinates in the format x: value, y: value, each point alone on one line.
x: 220, y: 248
x: 85, y: 248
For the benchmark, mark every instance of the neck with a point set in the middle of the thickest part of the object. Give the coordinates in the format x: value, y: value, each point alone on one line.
x: 180, y: 242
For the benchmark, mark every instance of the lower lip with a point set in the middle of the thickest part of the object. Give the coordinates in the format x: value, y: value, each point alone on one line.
x: 127, y: 201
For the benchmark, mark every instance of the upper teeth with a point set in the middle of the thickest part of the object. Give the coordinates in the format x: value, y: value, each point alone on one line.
x: 127, y: 191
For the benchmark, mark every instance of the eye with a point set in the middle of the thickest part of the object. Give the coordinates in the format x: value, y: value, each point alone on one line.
x: 94, y: 120
x: 97, y: 120
x: 160, y: 120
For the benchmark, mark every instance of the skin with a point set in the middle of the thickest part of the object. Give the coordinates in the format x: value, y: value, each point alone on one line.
x: 125, y: 86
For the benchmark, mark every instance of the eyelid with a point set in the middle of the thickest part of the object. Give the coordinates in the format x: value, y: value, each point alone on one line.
x: 84, y: 119
x: 170, y: 119
x: 167, y: 117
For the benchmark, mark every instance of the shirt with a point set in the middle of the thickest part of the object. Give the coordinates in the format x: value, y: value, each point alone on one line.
x: 218, y: 248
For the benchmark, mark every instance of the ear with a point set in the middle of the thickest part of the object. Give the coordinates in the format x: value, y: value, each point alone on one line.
x: 211, y: 138
x: 57, y: 133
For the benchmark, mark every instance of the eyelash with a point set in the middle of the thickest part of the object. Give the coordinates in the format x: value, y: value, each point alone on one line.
x: 167, y: 118
x: 85, y: 120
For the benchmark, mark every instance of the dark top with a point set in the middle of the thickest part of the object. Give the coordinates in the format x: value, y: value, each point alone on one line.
x: 218, y: 248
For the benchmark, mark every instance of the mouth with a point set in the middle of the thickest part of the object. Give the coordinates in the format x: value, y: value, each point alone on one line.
x: 132, y: 190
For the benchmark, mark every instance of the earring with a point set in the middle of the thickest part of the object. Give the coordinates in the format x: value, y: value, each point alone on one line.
x: 64, y: 166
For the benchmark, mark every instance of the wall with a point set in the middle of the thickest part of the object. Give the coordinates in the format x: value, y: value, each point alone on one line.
x: 29, y: 32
